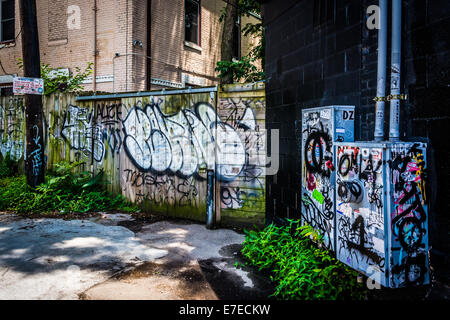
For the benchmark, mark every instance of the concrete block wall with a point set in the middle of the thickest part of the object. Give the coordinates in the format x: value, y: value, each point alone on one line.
x: 311, y: 64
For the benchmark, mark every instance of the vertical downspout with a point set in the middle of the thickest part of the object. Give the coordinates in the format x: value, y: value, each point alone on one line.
x: 94, y: 81
x: 217, y: 197
x: 381, y: 77
x: 94, y: 75
x: 149, y: 44
x: 126, y: 52
x: 210, y: 221
x: 394, y: 123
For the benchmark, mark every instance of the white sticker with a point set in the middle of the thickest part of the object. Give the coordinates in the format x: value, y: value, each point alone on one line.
x: 347, y: 211
x: 325, y: 114
x: 365, y: 152
x: 365, y: 212
x: 378, y: 244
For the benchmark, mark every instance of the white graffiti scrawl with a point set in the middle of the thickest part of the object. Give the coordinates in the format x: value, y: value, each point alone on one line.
x: 82, y: 133
x: 183, y: 142
x: 12, y: 122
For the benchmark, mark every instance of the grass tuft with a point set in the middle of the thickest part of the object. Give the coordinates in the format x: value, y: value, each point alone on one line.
x: 301, y: 267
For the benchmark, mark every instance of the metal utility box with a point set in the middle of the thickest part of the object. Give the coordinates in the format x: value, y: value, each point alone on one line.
x: 382, y: 211
x: 321, y: 128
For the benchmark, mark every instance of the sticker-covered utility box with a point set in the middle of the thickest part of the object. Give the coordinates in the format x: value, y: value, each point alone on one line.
x: 321, y: 128
x: 382, y: 211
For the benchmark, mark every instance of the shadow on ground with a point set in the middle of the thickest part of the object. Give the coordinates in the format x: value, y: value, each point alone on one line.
x: 118, y: 257
x: 229, y: 285
x: 199, y: 265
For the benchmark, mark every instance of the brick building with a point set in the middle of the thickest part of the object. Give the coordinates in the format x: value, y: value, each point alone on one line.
x: 135, y: 44
x: 321, y: 53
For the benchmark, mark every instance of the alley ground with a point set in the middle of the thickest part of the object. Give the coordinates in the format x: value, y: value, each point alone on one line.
x: 114, y: 256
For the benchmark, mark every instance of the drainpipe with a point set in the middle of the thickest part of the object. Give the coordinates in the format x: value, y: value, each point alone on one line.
x: 394, y: 123
x: 210, y: 219
x: 126, y: 53
x: 381, y: 78
x: 94, y: 74
x: 149, y: 40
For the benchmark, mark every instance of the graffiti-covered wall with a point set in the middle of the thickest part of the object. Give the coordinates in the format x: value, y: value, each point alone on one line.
x: 321, y: 127
x: 360, y: 209
x: 12, y: 127
x: 156, y: 150
x: 167, y: 147
x: 382, y: 211
x: 243, y: 191
x: 409, y: 253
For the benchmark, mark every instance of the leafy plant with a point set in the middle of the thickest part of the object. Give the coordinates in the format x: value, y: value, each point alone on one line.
x: 240, y: 69
x: 245, y: 68
x: 65, y: 191
x: 8, y: 167
x: 55, y: 79
x: 300, y: 266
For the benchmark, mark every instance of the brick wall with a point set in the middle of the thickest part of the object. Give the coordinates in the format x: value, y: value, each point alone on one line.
x: 171, y: 56
x: 57, y: 25
x: 8, y: 51
x: 119, y: 24
x: 310, y: 64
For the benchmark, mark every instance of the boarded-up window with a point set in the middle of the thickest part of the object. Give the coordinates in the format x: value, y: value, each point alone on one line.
x: 57, y: 20
x: 6, y: 91
x: 7, y: 16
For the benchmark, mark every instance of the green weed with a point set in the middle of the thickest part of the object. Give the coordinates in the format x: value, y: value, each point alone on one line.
x: 8, y: 167
x: 64, y: 191
x: 299, y: 264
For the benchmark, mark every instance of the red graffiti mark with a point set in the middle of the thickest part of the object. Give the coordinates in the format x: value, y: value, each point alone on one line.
x: 330, y: 165
x: 311, y: 182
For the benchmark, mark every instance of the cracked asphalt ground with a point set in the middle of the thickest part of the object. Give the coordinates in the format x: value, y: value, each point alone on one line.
x: 113, y: 256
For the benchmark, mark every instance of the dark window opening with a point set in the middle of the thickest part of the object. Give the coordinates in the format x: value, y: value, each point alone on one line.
x: 7, y: 23
x: 237, y: 40
x: 6, y: 91
x: 192, y: 21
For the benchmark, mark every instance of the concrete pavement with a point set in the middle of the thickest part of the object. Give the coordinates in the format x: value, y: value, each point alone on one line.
x: 101, y: 258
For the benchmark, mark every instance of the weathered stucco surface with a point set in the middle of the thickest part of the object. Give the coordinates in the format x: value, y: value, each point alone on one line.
x: 156, y: 150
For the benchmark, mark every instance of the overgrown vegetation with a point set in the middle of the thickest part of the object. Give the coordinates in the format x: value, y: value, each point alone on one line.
x: 245, y: 68
x: 65, y: 191
x: 8, y: 167
x: 55, y: 79
x: 240, y: 69
x: 299, y: 264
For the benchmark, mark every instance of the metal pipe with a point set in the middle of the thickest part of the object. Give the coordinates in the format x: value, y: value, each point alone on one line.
x: 149, y: 43
x: 126, y: 53
x: 146, y: 94
x: 94, y: 75
x: 210, y: 219
x: 381, y: 77
x: 394, y: 123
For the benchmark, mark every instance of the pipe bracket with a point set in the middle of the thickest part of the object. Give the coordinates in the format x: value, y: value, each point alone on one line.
x: 397, y: 97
